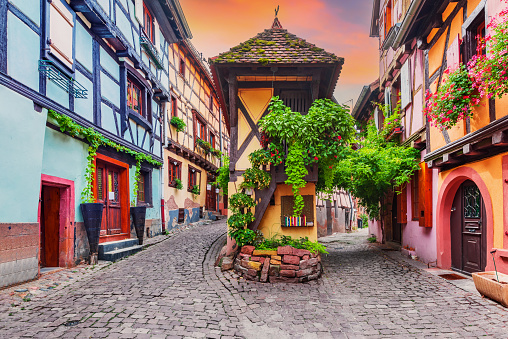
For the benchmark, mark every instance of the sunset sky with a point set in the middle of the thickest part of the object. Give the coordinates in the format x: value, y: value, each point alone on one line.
x: 338, y: 26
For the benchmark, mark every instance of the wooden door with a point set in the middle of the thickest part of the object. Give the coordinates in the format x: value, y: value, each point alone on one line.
x: 211, y: 197
x: 108, y: 193
x: 50, y: 226
x: 396, y: 226
x: 472, y: 228
x: 467, y: 223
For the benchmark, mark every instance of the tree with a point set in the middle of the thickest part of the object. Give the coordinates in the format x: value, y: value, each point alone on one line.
x: 375, y: 170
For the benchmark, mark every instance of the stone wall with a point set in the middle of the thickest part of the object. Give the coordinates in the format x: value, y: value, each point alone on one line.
x: 287, y: 264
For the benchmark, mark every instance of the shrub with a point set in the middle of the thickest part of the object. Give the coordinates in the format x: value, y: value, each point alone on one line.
x: 178, y: 123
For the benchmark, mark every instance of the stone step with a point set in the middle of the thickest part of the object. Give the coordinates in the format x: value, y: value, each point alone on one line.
x: 116, y: 245
x: 120, y: 253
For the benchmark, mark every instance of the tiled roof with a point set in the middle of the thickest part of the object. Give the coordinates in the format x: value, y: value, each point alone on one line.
x: 276, y: 46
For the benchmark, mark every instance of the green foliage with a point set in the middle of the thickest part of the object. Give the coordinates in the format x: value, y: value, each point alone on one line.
x: 375, y: 169
x: 223, y: 175
x: 372, y: 239
x: 179, y: 184
x: 195, y: 190
x: 242, y: 236
x: 95, y: 139
x: 259, y: 158
x: 205, y: 145
x: 302, y: 243
x: 365, y: 220
x: 256, y: 178
x: 319, y: 136
x: 239, y: 201
x: 392, y: 117
x: 178, y: 123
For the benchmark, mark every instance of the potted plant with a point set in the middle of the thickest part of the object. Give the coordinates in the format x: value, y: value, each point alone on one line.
x: 205, y: 145
x: 178, y: 184
x: 178, y: 123
x: 91, y: 210
x: 138, y: 213
x: 195, y: 190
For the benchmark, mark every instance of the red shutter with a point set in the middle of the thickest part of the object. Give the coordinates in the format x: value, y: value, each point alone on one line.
x: 425, y: 195
x: 402, y: 206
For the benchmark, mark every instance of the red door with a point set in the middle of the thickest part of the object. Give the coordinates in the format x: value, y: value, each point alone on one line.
x: 108, y: 193
x: 50, y: 226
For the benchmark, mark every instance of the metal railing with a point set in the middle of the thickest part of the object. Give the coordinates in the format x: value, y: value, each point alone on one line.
x: 60, y: 79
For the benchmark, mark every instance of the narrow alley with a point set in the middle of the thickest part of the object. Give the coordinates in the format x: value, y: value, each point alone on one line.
x: 172, y: 290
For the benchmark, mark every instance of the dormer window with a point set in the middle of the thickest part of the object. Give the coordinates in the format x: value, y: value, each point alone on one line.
x: 148, y: 25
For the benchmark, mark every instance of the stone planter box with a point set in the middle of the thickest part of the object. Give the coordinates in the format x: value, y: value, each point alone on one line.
x: 486, y: 283
x: 287, y: 264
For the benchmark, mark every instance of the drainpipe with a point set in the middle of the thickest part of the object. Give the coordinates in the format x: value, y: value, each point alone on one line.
x: 408, y: 18
x: 161, y: 171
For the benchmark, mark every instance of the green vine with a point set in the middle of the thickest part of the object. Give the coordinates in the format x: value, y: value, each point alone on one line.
x: 223, y: 175
x: 178, y: 123
x: 256, y: 179
x: 296, y: 172
x: 95, y: 139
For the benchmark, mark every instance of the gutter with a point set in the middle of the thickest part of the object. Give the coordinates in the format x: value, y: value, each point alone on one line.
x: 408, y: 19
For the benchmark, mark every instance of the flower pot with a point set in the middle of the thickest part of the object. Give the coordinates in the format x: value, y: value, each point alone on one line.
x: 92, y: 218
x: 486, y: 283
x: 138, y: 219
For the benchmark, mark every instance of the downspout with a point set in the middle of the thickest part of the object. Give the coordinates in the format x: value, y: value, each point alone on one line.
x: 408, y: 18
x: 161, y: 171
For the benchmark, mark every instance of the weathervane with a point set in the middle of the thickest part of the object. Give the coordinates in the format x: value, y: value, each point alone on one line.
x: 277, y: 11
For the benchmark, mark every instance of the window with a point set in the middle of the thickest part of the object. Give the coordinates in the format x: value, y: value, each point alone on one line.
x: 144, y: 191
x: 61, y: 26
x: 134, y: 97
x: 182, y: 67
x: 212, y: 140
x: 414, y: 197
x: 174, y: 171
x: 475, y: 30
x: 194, y: 177
x: 199, y: 128
x: 148, y: 25
x: 174, y: 107
x: 210, y: 104
x: 388, y: 17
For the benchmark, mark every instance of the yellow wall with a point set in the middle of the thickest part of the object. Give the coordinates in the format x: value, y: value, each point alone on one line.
x: 490, y: 170
x: 471, y: 5
x: 182, y: 197
x: 271, y: 222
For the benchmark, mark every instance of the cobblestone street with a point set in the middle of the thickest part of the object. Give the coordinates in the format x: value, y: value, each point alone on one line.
x: 172, y: 290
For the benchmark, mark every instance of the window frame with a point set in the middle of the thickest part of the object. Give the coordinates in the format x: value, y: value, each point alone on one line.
x: 146, y: 174
x: 199, y: 125
x: 146, y: 13
x: 142, y: 96
x: 146, y: 106
x: 212, y: 139
x: 174, y: 106
x: 193, y: 172
x: 177, y: 169
x: 470, y: 27
x: 181, y: 67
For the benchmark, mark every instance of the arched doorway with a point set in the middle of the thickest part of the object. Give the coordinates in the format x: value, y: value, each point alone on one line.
x: 468, y: 229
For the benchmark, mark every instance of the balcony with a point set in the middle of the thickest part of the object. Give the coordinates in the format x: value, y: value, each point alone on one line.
x: 151, y: 51
x: 69, y: 85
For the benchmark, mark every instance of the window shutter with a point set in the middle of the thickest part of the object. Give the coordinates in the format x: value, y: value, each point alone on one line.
x: 425, y: 196
x: 405, y: 95
x: 388, y: 100
x: 61, y: 32
x: 402, y: 206
x: 138, y: 9
x: 157, y: 34
x: 376, y: 117
x: 453, y: 54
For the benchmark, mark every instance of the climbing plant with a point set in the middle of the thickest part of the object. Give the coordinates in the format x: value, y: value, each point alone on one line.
x: 95, y: 139
x: 223, y: 175
x: 317, y: 137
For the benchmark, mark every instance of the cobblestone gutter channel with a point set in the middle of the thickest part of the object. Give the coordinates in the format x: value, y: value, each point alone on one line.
x: 172, y: 290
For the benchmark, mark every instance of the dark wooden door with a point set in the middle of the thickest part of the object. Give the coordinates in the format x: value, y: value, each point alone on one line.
x: 50, y: 226
x: 108, y: 193
x: 472, y: 228
x: 468, y: 236
x: 211, y: 197
x: 396, y: 225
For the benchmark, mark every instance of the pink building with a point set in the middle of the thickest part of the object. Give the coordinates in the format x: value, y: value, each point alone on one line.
x: 401, y: 77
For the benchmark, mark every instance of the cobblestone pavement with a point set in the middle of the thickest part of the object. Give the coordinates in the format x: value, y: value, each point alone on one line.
x: 171, y: 289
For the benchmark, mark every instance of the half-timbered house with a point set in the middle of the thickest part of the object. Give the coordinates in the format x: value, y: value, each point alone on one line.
x: 471, y: 158
x: 273, y: 63
x: 189, y: 162
x: 105, y: 65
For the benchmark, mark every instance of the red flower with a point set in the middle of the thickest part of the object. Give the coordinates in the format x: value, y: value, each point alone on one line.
x: 335, y: 156
x: 330, y: 167
x: 316, y: 158
x: 339, y: 137
x: 465, y: 97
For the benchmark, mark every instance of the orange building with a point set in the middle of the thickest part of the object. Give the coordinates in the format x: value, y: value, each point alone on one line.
x: 471, y: 158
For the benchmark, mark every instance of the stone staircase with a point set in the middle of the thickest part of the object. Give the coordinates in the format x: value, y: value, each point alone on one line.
x: 116, y: 250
